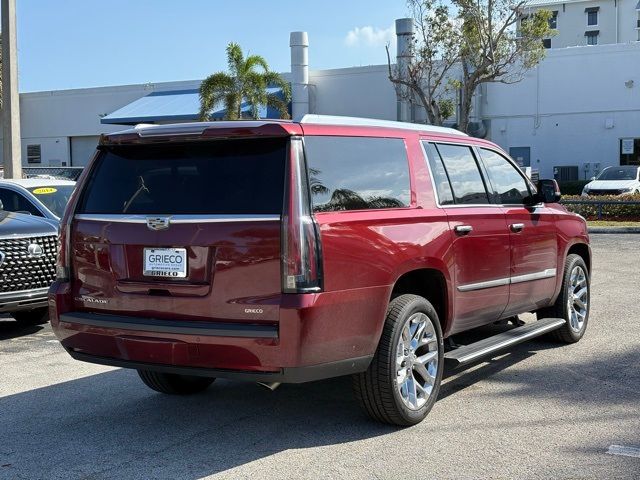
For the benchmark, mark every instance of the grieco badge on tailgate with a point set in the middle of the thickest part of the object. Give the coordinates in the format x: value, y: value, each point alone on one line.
x: 158, y: 223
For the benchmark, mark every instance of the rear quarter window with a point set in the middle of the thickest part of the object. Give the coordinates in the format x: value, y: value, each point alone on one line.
x: 220, y: 177
x: 357, y: 173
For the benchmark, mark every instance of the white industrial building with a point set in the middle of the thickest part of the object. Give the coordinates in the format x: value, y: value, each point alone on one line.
x: 590, y: 22
x: 574, y: 114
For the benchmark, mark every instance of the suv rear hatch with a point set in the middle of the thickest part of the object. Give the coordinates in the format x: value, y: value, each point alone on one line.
x: 182, y: 230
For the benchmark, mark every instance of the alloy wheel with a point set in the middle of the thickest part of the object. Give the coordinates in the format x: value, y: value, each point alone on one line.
x: 578, y: 298
x: 416, y: 361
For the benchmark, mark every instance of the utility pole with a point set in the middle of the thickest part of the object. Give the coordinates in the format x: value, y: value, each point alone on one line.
x: 11, y: 148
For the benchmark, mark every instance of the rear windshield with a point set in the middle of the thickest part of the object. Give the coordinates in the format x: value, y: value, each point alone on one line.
x: 221, y: 177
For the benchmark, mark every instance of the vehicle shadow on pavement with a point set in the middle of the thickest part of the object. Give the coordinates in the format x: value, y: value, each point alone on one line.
x: 111, y: 425
x: 9, y: 328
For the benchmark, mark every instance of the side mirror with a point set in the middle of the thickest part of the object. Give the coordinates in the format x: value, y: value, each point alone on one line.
x: 548, y: 191
x: 1, y: 205
x: 593, y: 178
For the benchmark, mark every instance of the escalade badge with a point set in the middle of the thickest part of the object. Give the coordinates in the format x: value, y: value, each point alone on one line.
x: 1, y: 258
x: 35, y: 250
x: 158, y: 223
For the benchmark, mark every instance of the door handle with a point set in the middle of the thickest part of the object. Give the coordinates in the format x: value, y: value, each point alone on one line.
x: 463, y: 229
x: 516, y: 227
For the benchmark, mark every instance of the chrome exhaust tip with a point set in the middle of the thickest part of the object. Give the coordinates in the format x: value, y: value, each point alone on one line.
x: 270, y: 385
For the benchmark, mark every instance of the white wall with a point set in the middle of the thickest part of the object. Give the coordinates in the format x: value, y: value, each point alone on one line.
x: 357, y: 92
x: 51, y: 118
x: 561, y: 108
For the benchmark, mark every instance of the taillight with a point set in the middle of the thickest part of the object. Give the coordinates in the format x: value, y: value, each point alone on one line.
x: 63, y: 264
x: 301, y: 262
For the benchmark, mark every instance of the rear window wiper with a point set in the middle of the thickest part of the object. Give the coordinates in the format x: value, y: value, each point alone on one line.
x: 141, y: 188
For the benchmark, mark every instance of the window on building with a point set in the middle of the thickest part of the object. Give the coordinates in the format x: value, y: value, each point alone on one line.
x: 592, y: 15
x: 553, y: 21
x: 546, y: 43
x: 357, y: 173
x: 592, y: 37
x: 464, y: 174
x: 507, y: 182
x: 630, y: 151
x: 439, y: 175
x: 34, y: 154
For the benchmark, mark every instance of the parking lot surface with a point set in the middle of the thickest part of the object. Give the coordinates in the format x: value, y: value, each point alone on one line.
x: 542, y: 410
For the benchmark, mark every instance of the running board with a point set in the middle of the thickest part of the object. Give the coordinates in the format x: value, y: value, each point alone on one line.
x: 469, y: 353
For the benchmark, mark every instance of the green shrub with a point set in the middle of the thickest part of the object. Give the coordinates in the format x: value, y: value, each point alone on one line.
x: 573, y: 188
x: 621, y: 210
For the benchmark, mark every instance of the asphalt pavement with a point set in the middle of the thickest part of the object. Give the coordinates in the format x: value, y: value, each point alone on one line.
x: 543, y: 410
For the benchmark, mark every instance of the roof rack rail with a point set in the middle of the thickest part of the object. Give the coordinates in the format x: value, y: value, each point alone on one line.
x: 312, y: 119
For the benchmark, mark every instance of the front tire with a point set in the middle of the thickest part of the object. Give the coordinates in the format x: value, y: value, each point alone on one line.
x: 573, y: 302
x: 38, y: 316
x: 403, y: 380
x: 173, y: 384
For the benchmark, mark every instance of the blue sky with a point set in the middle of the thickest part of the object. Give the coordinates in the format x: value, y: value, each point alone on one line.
x: 86, y: 43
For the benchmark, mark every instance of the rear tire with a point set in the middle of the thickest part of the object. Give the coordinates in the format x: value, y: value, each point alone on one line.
x: 38, y: 316
x: 403, y: 380
x: 173, y: 384
x: 573, y: 303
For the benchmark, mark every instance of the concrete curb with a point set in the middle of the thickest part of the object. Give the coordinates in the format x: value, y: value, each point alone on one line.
x: 614, y: 229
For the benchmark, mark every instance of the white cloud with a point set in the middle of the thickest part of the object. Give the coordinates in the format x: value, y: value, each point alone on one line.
x: 369, y: 36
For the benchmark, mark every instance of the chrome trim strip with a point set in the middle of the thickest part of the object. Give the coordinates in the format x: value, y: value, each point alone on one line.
x: 26, y: 294
x: 177, y: 219
x: 548, y: 273
x: 482, y: 285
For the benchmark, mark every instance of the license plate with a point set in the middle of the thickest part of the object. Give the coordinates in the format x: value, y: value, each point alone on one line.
x: 165, y: 262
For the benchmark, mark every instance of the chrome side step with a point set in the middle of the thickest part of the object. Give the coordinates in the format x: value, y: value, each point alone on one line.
x: 469, y: 353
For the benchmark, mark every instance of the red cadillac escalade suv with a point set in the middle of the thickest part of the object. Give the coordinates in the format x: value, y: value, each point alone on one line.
x: 277, y: 251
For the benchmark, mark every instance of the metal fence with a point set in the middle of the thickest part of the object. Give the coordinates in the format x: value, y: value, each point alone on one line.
x: 68, y: 173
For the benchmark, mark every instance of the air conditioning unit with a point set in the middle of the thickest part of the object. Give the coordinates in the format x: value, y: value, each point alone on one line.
x: 566, y: 173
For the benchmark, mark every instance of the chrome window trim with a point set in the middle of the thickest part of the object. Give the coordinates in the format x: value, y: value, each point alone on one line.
x: 529, y: 277
x: 510, y: 160
x: 433, y: 184
x: 467, y: 205
x: 176, y: 219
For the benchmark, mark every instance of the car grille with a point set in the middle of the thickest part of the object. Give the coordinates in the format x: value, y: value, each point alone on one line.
x: 606, y: 192
x: 22, y: 270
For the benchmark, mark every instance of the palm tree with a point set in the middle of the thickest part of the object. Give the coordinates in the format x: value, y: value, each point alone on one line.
x: 247, y: 80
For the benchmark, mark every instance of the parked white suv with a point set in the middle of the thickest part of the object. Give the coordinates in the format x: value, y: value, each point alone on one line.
x: 622, y: 180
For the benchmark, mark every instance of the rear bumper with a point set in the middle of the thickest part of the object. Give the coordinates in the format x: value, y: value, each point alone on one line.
x: 283, y: 375
x: 23, y: 300
x: 316, y: 336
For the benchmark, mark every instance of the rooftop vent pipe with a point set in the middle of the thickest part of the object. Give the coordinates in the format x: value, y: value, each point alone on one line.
x: 404, y: 34
x: 299, y: 43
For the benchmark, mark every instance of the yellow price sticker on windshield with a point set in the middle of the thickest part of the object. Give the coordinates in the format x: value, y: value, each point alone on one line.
x: 45, y: 190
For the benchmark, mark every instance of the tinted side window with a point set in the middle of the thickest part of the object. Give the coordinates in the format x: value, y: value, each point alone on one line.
x: 14, y: 202
x: 464, y: 174
x: 357, y: 173
x: 508, y: 185
x: 440, y: 178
